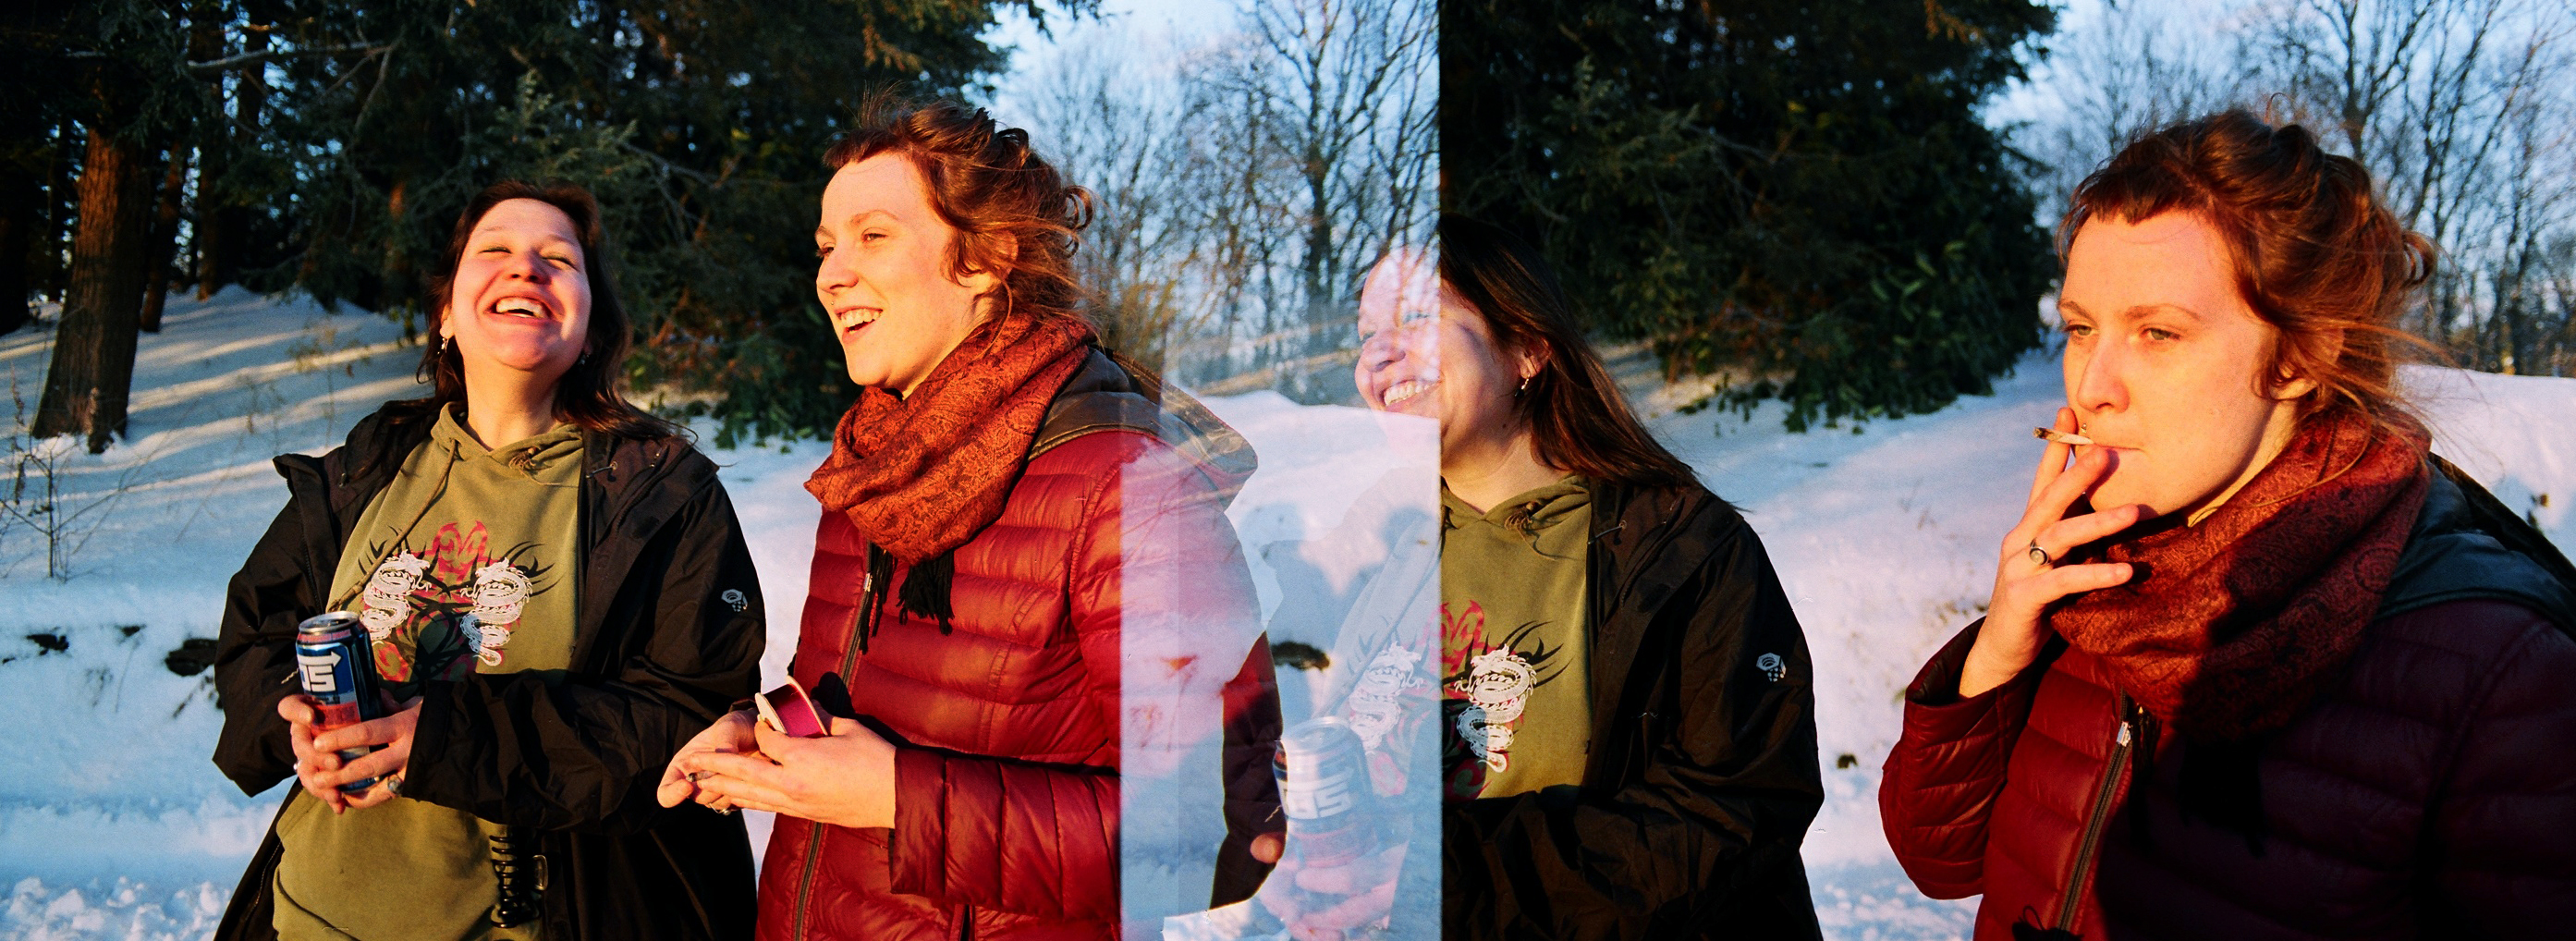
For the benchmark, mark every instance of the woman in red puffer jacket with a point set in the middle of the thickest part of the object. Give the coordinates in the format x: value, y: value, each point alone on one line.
x: 1025, y: 590
x: 2257, y: 664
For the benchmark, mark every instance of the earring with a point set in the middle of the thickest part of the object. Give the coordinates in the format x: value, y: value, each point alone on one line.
x: 442, y: 346
x: 584, y: 360
x: 1524, y: 389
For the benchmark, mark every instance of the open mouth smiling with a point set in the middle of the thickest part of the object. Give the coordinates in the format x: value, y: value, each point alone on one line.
x: 851, y: 319
x: 1405, y: 391
x: 521, y: 307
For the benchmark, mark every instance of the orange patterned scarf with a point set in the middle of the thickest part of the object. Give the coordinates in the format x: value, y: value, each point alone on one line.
x: 920, y: 475
x: 2233, y: 625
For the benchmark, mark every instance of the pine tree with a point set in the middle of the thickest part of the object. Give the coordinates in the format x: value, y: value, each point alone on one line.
x: 1799, y: 191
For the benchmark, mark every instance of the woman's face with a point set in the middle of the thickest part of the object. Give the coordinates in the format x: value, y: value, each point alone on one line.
x: 884, y: 276
x: 2164, y: 364
x: 520, y: 303
x: 1425, y: 352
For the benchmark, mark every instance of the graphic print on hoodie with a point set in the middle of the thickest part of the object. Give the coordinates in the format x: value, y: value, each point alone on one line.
x: 460, y: 529
x: 1515, y: 695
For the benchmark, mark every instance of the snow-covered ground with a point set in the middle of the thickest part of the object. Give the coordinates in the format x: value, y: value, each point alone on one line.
x: 113, y: 824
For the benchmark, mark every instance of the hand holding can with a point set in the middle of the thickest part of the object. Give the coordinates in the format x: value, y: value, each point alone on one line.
x: 337, y: 668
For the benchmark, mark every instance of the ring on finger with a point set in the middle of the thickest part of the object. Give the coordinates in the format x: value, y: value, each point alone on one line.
x: 2041, y: 556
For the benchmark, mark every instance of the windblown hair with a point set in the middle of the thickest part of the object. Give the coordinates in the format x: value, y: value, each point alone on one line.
x: 591, y: 394
x: 1578, y: 420
x: 2316, y: 255
x: 1015, y: 215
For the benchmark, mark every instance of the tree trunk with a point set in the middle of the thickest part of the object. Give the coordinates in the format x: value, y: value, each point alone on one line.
x: 61, y: 209
x: 22, y: 209
x: 223, y: 226
x: 87, y: 385
x: 164, y: 239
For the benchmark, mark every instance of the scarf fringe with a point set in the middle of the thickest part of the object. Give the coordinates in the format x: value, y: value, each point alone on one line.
x: 872, y: 592
x: 925, y: 591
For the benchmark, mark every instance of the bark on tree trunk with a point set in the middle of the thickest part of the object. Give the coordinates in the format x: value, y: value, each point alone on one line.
x: 164, y: 240
x: 93, y: 367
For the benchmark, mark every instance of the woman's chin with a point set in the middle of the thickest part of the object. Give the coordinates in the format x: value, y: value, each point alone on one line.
x: 2115, y: 493
x: 532, y: 361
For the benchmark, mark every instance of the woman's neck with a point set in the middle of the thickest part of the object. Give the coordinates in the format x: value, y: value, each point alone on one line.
x: 502, y: 412
x: 1489, y: 471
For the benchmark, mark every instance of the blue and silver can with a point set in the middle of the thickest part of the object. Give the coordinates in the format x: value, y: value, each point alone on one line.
x: 337, y: 665
x: 1325, y: 792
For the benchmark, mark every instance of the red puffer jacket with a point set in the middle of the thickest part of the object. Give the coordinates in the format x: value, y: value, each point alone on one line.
x: 1009, y: 723
x: 2431, y: 794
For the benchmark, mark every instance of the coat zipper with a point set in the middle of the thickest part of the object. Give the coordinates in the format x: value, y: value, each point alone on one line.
x: 2085, y: 849
x: 859, y: 623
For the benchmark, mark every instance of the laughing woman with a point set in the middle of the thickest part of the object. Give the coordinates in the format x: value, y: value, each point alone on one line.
x: 556, y: 585
x: 1026, y: 598
x: 1629, y: 711
x: 2257, y: 664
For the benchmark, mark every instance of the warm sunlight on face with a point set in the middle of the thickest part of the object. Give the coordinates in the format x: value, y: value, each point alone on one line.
x: 885, y: 274
x: 521, y: 298
x: 1425, y: 352
x: 2164, y: 363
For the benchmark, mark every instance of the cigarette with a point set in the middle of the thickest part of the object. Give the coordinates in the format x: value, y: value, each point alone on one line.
x: 2059, y: 436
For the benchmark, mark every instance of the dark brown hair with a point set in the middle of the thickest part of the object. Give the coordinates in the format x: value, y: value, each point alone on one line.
x: 1015, y: 216
x: 591, y: 394
x: 1578, y: 420
x: 2315, y: 253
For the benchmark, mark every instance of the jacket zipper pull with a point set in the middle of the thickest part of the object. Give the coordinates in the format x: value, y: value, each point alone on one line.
x: 2089, y: 843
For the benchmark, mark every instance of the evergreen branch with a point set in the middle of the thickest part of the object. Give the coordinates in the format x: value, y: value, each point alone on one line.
x: 220, y: 66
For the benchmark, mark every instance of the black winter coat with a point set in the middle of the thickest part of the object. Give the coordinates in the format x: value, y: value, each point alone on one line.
x: 664, y: 645
x: 1702, y: 776
x: 2427, y: 793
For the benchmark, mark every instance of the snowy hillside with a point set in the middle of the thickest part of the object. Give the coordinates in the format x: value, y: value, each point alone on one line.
x: 113, y: 824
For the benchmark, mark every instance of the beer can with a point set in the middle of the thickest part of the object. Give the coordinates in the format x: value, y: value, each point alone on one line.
x: 337, y: 666
x: 1324, y: 791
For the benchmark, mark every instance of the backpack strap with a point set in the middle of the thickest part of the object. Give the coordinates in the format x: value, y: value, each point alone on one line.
x: 1103, y: 395
x: 2467, y: 545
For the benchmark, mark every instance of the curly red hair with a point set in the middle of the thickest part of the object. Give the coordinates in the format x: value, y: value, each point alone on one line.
x: 1015, y: 215
x: 2316, y: 254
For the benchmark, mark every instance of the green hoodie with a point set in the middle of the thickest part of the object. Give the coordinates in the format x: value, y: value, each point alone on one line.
x: 461, y: 529
x: 1515, y: 691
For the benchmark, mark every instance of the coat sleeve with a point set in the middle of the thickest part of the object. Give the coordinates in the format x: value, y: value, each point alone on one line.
x: 1162, y: 605
x: 1723, y: 798
x: 1942, y: 778
x: 584, y: 752
x: 2503, y: 862
x: 255, y: 648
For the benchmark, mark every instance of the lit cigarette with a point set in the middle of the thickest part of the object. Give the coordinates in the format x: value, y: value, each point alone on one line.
x: 2059, y: 436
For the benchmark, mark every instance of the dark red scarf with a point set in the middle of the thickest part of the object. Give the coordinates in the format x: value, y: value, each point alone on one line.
x: 921, y: 474
x: 2233, y: 625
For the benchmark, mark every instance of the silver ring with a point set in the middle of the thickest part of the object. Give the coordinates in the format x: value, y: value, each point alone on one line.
x: 2040, y: 555
x: 393, y: 785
